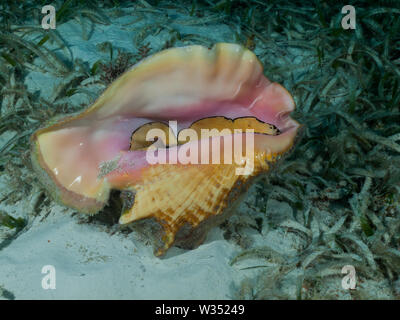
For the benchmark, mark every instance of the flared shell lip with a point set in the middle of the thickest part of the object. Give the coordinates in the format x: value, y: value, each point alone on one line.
x: 57, y: 190
x: 97, y: 104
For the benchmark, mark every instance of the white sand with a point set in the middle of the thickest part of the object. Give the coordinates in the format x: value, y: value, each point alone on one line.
x: 92, y: 264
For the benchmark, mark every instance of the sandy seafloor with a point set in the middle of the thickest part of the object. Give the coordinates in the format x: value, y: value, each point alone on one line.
x: 93, y: 263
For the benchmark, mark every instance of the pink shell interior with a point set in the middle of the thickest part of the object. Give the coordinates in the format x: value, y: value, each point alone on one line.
x: 182, y: 84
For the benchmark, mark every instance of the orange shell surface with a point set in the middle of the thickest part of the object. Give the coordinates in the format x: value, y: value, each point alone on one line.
x: 81, y: 158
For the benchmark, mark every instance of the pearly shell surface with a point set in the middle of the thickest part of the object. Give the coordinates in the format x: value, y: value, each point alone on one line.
x: 81, y: 158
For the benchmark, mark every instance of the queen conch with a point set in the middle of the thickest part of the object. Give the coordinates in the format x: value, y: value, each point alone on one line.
x: 182, y: 135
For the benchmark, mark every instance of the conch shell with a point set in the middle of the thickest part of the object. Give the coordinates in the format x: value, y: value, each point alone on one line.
x: 81, y: 158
